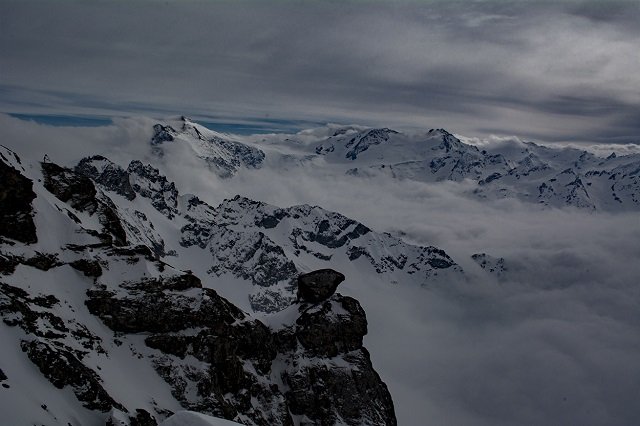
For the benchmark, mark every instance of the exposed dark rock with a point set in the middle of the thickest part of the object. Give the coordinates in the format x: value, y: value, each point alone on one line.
x: 174, y: 283
x: 35, y: 315
x: 108, y: 174
x: 494, y: 265
x: 3, y: 376
x: 111, y: 222
x: 226, y: 346
x: 8, y: 263
x: 327, y: 331
x: 242, y: 154
x: 440, y: 263
x: 319, y: 285
x: 43, y: 261
x: 16, y: 213
x: 90, y: 268
x: 327, y: 232
x: 215, y: 359
x: 159, y: 305
x: 201, y: 226
x: 162, y: 134
x: 363, y: 142
x: 80, y: 193
x: 72, y: 188
x: 269, y: 221
x: 331, y: 378
x: 143, y: 418
x: 16, y: 310
x: 60, y: 366
x: 147, y: 181
x: 139, y: 250
x: 490, y: 178
x: 328, y: 394
x: 225, y: 387
x: 251, y: 256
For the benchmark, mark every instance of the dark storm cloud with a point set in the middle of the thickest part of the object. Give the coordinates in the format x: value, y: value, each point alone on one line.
x: 538, y: 70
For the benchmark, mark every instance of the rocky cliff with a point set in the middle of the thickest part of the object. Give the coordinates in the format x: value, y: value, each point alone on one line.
x: 101, y: 328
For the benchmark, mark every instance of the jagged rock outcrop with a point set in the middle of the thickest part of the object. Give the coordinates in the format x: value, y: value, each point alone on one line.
x: 324, y: 362
x: 108, y: 174
x: 160, y: 305
x: 319, y: 285
x: 72, y: 188
x: 16, y: 214
x: 162, y: 134
x: 186, y: 322
x: 62, y: 368
x: 147, y: 181
x: 80, y: 193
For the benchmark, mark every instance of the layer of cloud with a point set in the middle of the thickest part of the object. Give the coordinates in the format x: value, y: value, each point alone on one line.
x: 555, y: 72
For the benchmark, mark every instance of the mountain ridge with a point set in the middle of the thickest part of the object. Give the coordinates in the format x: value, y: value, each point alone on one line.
x: 101, y: 304
x: 530, y: 172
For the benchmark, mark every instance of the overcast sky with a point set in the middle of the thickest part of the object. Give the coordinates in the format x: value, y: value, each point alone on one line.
x: 554, y: 71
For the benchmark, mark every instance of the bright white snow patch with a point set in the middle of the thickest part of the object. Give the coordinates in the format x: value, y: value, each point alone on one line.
x: 190, y: 418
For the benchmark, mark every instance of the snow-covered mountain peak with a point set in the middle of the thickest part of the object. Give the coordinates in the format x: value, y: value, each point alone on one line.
x: 221, y: 153
x: 526, y: 171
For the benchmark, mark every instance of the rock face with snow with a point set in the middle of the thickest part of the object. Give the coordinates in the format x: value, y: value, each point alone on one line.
x: 264, y: 244
x: 493, y: 265
x: 121, y: 333
x: 324, y: 360
x: 80, y: 193
x: 260, y: 243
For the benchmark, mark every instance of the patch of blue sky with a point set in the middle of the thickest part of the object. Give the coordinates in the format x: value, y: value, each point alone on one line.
x: 257, y: 127
x: 65, y: 120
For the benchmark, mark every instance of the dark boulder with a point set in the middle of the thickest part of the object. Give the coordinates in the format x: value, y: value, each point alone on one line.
x: 319, y: 285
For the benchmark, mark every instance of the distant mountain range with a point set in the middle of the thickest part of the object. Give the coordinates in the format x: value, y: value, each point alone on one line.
x: 554, y: 177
